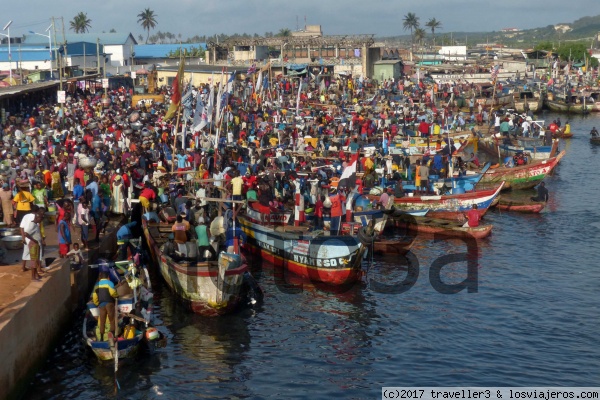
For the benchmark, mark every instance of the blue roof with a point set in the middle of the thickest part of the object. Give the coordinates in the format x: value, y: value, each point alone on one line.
x: 161, y: 50
x: 105, y: 38
x: 25, y: 54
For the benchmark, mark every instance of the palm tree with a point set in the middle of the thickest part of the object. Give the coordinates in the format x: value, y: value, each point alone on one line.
x: 411, y: 21
x: 433, y: 24
x: 147, y: 19
x: 284, y: 32
x: 420, y: 35
x: 81, y: 23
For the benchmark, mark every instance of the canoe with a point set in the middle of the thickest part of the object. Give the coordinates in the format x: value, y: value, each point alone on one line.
x: 398, y: 246
x: 451, y: 206
x: 209, y: 288
x: 441, y: 227
x: 570, y: 108
x: 131, y: 300
x: 521, y: 206
x: 309, y: 254
x: 595, y: 140
x: 523, y: 176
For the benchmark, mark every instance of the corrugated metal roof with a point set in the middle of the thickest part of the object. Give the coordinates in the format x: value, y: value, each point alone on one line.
x: 38, y: 54
x: 161, y: 50
x: 105, y: 38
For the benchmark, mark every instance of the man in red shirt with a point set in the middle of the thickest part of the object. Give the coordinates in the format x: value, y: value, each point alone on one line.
x: 146, y: 196
x: 473, y: 218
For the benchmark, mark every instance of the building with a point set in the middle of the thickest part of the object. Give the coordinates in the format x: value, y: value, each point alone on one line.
x: 198, y: 74
x: 354, y: 54
x: 119, y: 46
x: 387, y: 69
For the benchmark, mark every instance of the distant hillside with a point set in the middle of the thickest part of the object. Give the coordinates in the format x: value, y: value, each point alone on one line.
x: 585, y: 28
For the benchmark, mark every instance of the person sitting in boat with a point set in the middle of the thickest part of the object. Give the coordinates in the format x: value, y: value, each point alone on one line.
x: 179, y: 230
x: 542, y: 193
x: 594, y: 132
x: 472, y: 217
x: 473, y: 162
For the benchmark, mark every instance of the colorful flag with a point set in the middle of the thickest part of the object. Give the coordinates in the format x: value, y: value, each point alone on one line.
x: 259, y: 82
x: 494, y: 72
x: 199, y: 114
x: 348, y: 178
x: 176, y: 96
x: 252, y: 69
x: 211, y: 103
x: 230, y: 82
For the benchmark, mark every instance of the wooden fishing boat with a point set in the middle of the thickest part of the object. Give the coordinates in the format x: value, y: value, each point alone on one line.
x: 560, y: 134
x: 394, y: 246
x: 314, y: 255
x: 569, y: 108
x: 595, y: 140
x: 528, y: 101
x: 209, y: 288
x: 520, y: 206
x: 535, y: 147
x: 522, y: 176
x: 134, y: 303
x: 441, y: 227
x: 451, y: 206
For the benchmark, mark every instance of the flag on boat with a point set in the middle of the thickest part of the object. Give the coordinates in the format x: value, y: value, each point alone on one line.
x: 230, y: 82
x: 211, y: 103
x: 301, y: 246
x: 200, y: 117
x: 252, y: 69
x: 259, y: 82
x: 176, y: 96
x: 348, y: 178
x: 494, y: 72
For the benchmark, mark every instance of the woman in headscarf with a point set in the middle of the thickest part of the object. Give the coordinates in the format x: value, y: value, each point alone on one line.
x: 118, y: 196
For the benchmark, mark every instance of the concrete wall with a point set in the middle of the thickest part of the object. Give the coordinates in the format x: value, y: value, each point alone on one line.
x: 30, y: 326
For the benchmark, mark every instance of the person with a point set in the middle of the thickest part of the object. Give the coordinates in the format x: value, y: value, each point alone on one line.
x: 7, y: 205
x: 423, y: 172
x: 104, y: 297
x: 473, y: 162
x: 24, y: 224
x: 64, y: 235
x: 542, y: 193
x: 473, y: 217
x: 118, y: 196
x: 23, y: 201
x: 236, y: 186
x: 40, y: 194
x: 594, y: 132
x: 76, y: 257
x: 78, y: 190
x: 203, y: 235
x: 251, y: 194
x: 146, y: 196
x: 83, y: 221
x: 34, y: 242
x: 319, y: 212
x: 124, y: 235
x: 398, y: 190
x: 179, y: 230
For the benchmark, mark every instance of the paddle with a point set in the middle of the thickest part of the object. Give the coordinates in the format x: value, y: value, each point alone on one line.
x: 483, y: 171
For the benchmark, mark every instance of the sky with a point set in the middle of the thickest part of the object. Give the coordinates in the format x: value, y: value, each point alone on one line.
x: 336, y: 17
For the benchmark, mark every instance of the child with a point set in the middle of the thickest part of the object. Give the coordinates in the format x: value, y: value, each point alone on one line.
x: 77, y: 189
x: 64, y: 235
x: 76, y: 257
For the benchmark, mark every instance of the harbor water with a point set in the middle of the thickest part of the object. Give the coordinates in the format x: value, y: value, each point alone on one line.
x: 530, y: 318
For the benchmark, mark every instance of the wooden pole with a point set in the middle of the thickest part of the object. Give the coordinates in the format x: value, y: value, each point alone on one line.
x: 179, y: 84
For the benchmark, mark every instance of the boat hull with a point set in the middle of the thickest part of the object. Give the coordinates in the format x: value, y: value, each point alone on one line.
x: 333, y: 260
x: 208, y: 288
x: 522, y: 207
x: 560, y: 106
x: 524, y: 176
x: 448, y: 206
x: 437, y: 227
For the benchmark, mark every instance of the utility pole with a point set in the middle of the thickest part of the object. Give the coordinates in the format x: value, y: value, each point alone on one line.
x: 98, y: 56
x: 60, y: 72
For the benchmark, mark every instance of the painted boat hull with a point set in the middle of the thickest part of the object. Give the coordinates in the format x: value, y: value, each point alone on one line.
x: 437, y: 227
x: 392, y: 246
x: 524, y: 176
x: 449, y: 206
x: 333, y: 260
x: 208, y: 288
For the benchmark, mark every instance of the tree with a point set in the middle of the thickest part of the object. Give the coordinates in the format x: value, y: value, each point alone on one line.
x: 81, y: 23
x: 284, y: 32
x: 411, y: 21
x: 140, y: 37
x: 433, y: 24
x: 113, y: 30
x: 420, y: 35
x: 147, y: 19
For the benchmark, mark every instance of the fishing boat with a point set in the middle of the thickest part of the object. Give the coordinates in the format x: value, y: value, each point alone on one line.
x: 528, y: 100
x: 568, y: 104
x: 451, y: 206
x: 133, y: 305
x: 312, y: 254
x: 392, y: 246
x: 595, y: 140
x: 535, y: 147
x: 440, y: 227
x: 209, y: 288
x: 522, y: 176
x: 520, y: 206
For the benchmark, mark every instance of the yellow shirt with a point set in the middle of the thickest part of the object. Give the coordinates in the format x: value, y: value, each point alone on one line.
x: 567, y: 128
x: 436, y: 129
x: 273, y: 141
x: 236, y: 184
x: 24, y: 200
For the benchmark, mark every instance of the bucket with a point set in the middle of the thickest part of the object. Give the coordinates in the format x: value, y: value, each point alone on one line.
x: 52, y: 208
